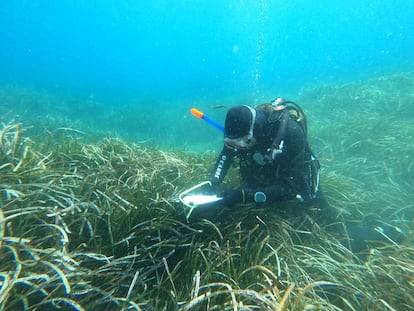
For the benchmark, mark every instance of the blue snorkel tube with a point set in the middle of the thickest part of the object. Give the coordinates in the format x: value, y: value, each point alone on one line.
x: 198, y: 114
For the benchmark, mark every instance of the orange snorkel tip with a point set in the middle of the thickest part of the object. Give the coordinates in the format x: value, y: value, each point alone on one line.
x: 197, y: 113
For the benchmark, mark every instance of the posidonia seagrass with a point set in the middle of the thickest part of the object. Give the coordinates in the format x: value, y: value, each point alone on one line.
x: 93, y: 225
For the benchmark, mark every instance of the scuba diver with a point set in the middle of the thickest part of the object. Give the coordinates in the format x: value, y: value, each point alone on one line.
x: 271, y: 148
x: 269, y: 144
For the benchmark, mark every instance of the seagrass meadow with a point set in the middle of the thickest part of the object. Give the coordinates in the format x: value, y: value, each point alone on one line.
x: 90, y: 222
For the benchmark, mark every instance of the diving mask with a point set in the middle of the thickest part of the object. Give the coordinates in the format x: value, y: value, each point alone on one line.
x: 242, y: 143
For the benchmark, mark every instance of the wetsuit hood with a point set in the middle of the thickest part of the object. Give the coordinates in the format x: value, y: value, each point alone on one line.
x: 238, y: 122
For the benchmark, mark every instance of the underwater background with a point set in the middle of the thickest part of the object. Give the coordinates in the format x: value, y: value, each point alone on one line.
x: 135, y: 68
x: 96, y: 140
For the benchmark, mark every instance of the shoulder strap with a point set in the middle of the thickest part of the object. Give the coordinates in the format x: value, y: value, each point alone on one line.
x: 278, y: 143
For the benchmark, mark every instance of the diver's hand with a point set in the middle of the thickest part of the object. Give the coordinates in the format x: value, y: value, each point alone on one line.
x: 231, y: 197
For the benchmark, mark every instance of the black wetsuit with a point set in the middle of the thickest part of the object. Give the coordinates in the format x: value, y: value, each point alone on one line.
x: 284, y: 178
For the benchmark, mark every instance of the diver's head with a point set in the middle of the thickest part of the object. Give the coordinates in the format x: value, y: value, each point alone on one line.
x: 238, y: 127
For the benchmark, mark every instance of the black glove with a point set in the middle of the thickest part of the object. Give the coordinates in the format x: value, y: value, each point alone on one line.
x: 231, y: 197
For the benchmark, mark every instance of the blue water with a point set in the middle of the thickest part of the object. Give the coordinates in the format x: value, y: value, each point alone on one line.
x: 120, y: 51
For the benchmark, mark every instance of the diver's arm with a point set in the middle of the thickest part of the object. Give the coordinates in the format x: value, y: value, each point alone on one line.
x: 260, y: 195
x: 275, y: 193
x: 222, y: 165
